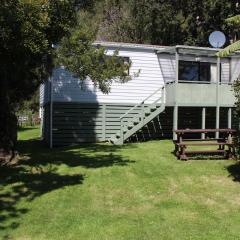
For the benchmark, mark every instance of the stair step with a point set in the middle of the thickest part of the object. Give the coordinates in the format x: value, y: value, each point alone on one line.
x: 136, y: 120
x: 131, y: 125
x: 112, y: 140
x: 134, y: 124
x: 153, y: 106
x: 118, y: 134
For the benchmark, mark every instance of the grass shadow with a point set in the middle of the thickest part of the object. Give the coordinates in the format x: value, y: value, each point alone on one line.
x: 37, y: 173
x: 25, y: 128
x: 234, y: 171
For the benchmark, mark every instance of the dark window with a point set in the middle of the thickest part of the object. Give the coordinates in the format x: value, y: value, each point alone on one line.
x: 194, y: 71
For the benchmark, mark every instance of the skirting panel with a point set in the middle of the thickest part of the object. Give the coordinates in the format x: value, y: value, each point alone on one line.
x: 78, y: 122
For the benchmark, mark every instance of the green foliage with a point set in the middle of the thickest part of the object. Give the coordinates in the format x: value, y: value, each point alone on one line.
x: 29, y: 108
x: 77, y: 55
x: 31, y: 105
x: 233, y: 21
x: 162, y: 22
x: 234, y: 24
x: 229, y: 49
x: 28, y: 29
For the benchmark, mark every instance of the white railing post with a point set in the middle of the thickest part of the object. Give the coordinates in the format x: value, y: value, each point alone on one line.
x: 121, y: 131
x: 142, y: 114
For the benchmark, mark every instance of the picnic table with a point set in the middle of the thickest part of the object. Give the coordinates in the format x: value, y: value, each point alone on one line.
x: 225, y: 144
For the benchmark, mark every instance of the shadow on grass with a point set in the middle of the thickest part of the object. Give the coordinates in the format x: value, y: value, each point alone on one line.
x: 202, y: 157
x: 234, y: 171
x: 37, y: 173
x: 25, y: 128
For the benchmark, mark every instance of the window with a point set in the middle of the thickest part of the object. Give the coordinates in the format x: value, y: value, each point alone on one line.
x: 194, y: 71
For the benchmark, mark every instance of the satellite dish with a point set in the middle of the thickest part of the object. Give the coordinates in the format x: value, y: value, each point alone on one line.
x: 217, y: 39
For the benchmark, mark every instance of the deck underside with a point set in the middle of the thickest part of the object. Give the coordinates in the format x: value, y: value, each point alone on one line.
x: 76, y: 123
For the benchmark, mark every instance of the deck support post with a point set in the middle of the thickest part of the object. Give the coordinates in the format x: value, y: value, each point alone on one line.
x: 203, y: 122
x: 175, y: 121
x: 229, y: 117
x: 217, y: 120
x: 217, y: 94
x: 175, y: 109
x: 176, y: 65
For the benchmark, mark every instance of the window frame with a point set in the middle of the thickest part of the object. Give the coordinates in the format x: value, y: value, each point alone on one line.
x: 199, y: 65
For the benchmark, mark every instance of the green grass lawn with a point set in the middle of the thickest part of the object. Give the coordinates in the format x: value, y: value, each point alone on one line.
x: 100, y: 191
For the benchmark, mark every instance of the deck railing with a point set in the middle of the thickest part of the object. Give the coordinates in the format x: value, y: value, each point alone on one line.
x: 198, y: 82
x: 141, y: 105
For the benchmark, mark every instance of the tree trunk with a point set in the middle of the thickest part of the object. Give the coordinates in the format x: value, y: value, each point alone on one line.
x: 8, y: 122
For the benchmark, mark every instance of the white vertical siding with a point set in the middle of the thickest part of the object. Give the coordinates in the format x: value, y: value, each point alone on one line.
x: 167, y: 65
x: 44, y: 93
x: 225, y: 71
x: 235, y: 69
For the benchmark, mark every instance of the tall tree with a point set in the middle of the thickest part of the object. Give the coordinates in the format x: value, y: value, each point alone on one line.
x: 28, y: 30
x: 77, y: 54
x: 167, y: 22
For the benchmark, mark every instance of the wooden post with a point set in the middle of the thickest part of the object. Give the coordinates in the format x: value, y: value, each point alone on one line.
x: 104, y: 122
x: 175, y: 121
x: 217, y: 95
x: 203, y: 121
x: 229, y: 117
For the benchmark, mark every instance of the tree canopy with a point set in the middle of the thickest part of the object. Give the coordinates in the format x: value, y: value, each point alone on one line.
x: 29, y: 29
x: 168, y: 22
x: 77, y: 54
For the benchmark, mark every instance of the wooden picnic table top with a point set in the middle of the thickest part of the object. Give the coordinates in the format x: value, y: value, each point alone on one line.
x: 226, y: 130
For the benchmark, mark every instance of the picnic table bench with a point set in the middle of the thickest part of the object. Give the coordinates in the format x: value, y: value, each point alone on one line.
x: 182, y: 144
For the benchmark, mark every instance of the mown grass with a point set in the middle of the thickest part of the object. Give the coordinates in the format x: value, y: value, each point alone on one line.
x: 100, y: 191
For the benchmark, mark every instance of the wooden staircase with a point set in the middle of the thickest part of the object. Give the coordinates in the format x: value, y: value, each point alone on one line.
x: 148, y: 109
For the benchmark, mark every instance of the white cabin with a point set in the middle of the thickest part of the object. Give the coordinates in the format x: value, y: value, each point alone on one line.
x: 168, y: 84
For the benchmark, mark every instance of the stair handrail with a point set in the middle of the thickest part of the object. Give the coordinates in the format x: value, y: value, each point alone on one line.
x: 139, y: 104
